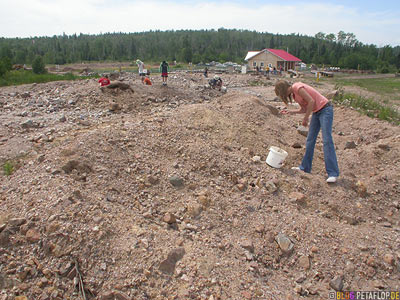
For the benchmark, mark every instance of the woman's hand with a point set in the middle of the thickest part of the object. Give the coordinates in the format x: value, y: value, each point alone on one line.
x: 305, y: 121
x: 284, y: 112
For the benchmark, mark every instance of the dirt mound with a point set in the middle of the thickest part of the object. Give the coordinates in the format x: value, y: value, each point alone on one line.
x: 169, y: 197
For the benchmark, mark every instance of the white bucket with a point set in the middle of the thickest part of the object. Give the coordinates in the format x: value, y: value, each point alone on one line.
x: 276, y: 157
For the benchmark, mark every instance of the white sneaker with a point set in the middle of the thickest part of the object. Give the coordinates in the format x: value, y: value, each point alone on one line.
x: 296, y: 168
x: 331, y: 179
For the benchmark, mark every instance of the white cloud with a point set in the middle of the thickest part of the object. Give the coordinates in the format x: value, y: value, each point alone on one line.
x: 25, y: 18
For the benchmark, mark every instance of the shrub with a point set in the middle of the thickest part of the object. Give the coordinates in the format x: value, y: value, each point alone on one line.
x: 2, y: 69
x: 5, y: 65
x: 367, y: 106
x: 8, y: 168
x: 38, y: 65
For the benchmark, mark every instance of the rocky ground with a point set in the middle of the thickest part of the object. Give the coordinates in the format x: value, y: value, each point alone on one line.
x: 164, y: 193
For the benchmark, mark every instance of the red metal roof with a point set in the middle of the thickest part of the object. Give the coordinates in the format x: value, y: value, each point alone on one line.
x: 283, y: 54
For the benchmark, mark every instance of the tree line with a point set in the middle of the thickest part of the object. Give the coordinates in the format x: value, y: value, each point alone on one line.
x: 341, y: 49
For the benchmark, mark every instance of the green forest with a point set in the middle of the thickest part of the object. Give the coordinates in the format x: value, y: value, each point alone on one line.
x: 341, y: 49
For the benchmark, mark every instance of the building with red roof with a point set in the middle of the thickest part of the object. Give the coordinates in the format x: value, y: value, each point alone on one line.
x: 272, y: 58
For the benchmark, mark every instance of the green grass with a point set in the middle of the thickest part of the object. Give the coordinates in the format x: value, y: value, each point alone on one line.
x: 368, y: 107
x: 8, y: 168
x: 27, y: 76
x: 389, y: 87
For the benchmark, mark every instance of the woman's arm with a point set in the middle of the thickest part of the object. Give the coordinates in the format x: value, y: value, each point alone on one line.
x: 294, y: 112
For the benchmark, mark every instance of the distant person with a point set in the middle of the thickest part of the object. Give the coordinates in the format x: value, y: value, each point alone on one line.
x: 103, y: 82
x: 280, y: 70
x: 311, y: 101
x: 140, y: 65
x: 164, y: 68
x: 147, y: 81
x: 206, y: 72
x: 267, y: 71
x: 216, y: 82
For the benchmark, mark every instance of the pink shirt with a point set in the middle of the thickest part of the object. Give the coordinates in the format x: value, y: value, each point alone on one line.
x: 320, y: 100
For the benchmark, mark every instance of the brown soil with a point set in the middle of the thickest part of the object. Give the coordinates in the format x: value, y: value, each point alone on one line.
x: 164, y: 193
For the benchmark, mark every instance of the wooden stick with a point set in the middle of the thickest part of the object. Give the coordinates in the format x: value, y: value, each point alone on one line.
x: 81, y: 287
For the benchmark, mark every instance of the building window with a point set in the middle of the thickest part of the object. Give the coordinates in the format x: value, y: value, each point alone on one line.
x: 254, y: 64
x: 262, y: 64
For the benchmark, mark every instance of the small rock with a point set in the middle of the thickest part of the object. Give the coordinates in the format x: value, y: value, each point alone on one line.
x: 25, y: 95
x: 248, y: 245
x: 249, y: 256
x: 296, y: 145
x: 332, y: 94
x: 259, y: 228
x: 195, y: 210
x: 152, y: 179
x: 43, y: 282
x: 97, y: 219
x: 107, y: 296
x: 114, y: 107
x: 256, y: 159
x: 241, y: 187
x: 350, y: 145
x: 361, y: 189
x: 285, y: 244
x: 298, y: 289
x: 167, y: 266
x: 204, y: 200
x: 304, y: 262
x: 389, y: 259
x: 302, y: 130
x: 66, y: 269
x: 176, y: 181
x: 184, y: 277
x: 385, y: 147
x: 16, y: 222
x: 271, y: 186
x: 337, y: 283
x: 29, y: 124
x: 350, y: 220
x: 169, y: 218
x: 301, y: 278
x: 41, y: 158
x: 32, y: 235
x: 121, y: 296
x: 298, y: 197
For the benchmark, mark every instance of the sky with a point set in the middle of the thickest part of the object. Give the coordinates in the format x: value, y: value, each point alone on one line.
x: 373, y: 22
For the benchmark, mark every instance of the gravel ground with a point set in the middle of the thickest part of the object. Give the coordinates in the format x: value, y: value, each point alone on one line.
x: 164, y: 193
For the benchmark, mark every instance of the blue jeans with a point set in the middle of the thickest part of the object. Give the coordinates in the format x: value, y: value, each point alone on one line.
x: 322, y: 119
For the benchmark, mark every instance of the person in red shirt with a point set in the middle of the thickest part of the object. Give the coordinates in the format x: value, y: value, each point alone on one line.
x: 147, y: 81
x: 104, y: 81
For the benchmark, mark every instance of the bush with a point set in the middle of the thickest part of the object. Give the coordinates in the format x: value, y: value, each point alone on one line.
x: 27, y: 76
x: 5, y: 65
x: 367, y: 106
x: 38, y: 65
x: 8, y: 168
x: 2, y: 69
